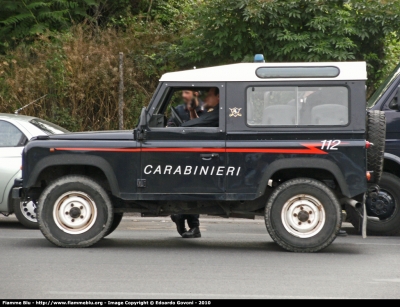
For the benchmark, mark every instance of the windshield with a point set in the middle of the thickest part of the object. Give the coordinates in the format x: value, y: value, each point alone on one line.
x: 47, y: 127
x: 383, y: 87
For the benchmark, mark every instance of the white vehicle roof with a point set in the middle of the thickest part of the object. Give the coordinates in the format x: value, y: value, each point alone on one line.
x: 17, y: 117
x: 247, y: 72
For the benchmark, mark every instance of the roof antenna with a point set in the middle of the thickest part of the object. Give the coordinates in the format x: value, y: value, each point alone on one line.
x: 17, y: 111
x: 259, y: 58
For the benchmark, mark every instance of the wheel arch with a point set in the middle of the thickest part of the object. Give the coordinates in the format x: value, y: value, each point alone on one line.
x: 300, y: 163
x: 391, y: 164
x: 69, y: 162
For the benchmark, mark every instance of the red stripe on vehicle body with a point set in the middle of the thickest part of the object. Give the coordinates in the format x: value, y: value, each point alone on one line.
x: 310, y: 149
x: 100, y: 149
x: 184, y: 150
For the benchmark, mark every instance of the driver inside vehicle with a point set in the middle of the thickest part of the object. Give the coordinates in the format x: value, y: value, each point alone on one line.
x: 205, y: 116
x: 191, y: 99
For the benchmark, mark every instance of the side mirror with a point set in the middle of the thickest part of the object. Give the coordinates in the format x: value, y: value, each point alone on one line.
x: 395, y: 103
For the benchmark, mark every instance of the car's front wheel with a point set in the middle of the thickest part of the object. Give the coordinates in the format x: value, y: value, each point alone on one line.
x: 74, y: 211
x: 26, y: 212
x: 303, y: 215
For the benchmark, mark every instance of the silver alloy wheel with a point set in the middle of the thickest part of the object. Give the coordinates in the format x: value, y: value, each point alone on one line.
x: 74, y: 212
x: 28, y: 210
x: 303, y: 216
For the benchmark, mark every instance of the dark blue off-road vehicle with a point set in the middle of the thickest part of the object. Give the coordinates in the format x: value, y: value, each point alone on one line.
x: 291, y: 144
x: 386, y: 206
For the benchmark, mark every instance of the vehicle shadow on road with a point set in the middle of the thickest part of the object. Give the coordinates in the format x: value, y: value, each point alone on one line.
x: 212, y: 243
x: 5, y: 224
x: 189, y: 245
x: 198, y: 245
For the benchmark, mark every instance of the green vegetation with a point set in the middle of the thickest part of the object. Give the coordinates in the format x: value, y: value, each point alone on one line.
x: 303, y: 30
x: 24, y: 19
x: 68, y: 50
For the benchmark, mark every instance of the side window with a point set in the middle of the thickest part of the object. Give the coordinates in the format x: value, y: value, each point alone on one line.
x: 391, y: 104
x: 297, y: 106
x: 10, y: 136
x: 174, y: 108
x: 386, y: 105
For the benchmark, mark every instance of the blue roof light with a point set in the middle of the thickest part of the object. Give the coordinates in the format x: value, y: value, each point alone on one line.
x: 259, y: 58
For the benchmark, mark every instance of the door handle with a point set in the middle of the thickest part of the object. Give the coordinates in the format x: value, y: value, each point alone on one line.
x: 208, y: 157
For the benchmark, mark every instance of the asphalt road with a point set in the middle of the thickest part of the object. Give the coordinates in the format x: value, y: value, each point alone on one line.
x: 145, y: 258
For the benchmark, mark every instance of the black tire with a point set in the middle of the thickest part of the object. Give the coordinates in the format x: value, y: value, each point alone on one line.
x: 66, y: 201
x: 26, y: 213
x: 386, y: 207
x: 376, y: 134
x: 310, y: 191
x: 116, y: 221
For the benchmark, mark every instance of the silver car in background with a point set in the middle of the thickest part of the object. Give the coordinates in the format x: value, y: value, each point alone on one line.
x: 15, y: 132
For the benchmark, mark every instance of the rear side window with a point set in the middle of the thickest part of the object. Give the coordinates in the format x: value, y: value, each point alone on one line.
x: 10, y: 136
x: 298, y: 106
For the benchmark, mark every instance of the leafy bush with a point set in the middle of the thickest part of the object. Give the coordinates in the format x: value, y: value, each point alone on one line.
x: 79, y: 73
x: 68, y: 49
x: 27, y: 18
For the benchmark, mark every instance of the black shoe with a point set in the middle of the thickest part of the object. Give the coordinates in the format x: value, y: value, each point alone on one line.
x: 192, y: 233
x: 342, y: 233
x: 180, y: 224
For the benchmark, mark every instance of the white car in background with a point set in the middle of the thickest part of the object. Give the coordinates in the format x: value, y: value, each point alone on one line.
x: 15, y: 132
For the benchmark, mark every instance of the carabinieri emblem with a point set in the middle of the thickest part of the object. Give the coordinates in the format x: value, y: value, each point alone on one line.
x: 235, y: 112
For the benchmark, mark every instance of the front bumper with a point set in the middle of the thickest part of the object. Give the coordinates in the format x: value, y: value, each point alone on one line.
x: 17, y: 193
x: 18, y: 190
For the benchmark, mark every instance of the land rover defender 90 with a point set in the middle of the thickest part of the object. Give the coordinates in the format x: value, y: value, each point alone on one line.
x: 291, y: 144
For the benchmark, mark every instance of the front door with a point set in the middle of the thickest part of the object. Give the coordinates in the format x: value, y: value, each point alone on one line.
x: 184, y: 162
x: 183, y: 166
x: 392, y: 124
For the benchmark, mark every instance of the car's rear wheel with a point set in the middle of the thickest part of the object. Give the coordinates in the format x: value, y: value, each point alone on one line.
x: 26, y: 212
x: 74, y: 211
x: 385, y: 206
x: 116, y: 221
x: 376, y: 134
x: 303, y: 215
